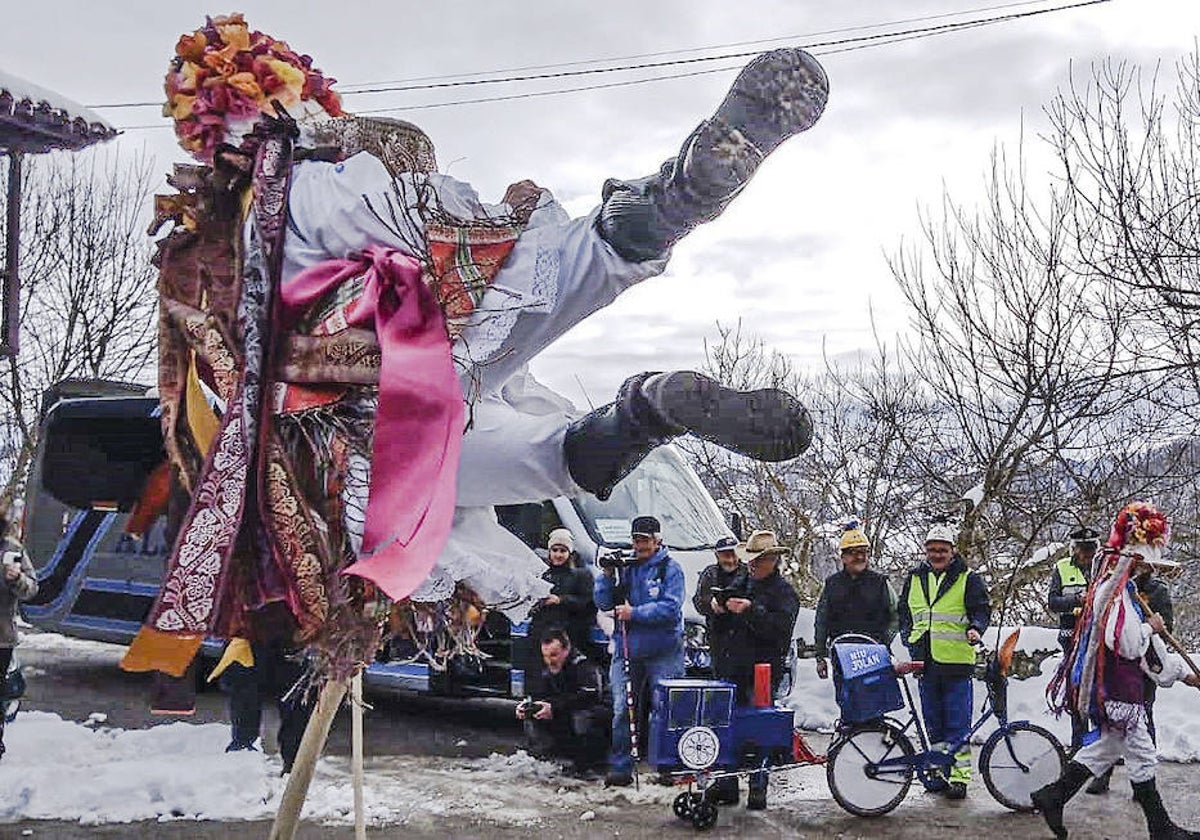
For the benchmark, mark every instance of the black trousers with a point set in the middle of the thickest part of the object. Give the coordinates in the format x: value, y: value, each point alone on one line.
x: 6, y: 655
x: 272, y: 676
x: 581, y: 737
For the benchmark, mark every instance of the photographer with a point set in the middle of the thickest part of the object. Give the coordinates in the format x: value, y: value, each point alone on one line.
x: 20, y: 584
x: 713, y: 588
x: 762, y: 611
x: 647, y: 603
x: 567, y: 716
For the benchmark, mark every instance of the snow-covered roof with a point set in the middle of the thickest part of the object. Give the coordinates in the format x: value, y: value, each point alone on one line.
x: 34, y: 119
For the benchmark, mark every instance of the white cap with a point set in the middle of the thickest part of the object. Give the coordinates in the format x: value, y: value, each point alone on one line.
x: 941, y: 532
x: 561, y: 536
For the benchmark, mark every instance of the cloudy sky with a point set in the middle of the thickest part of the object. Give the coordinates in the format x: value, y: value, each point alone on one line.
x: 799, y: 258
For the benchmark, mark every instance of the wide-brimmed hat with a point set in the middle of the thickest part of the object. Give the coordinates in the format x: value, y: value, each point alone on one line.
x: 759, y: 544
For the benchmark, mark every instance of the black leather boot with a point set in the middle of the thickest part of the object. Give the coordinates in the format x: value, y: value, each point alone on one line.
x: 651, y: 409
x: 778, y: 94
x: 1157, y: 820
x: 1051, y: 799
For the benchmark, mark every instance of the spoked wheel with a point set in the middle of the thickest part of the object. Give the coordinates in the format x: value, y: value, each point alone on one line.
x: 857, y: 783
x: 1017, y: 760
x: 704, y: 815
x: 685, y: 804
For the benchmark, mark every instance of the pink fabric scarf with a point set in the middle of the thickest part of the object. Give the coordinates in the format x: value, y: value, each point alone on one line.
x: 419, y: 421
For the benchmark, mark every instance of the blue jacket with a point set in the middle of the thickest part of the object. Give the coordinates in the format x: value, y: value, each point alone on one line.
x: 656, y: 592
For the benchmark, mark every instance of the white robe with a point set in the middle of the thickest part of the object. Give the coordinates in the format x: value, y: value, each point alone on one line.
x: 559, y: 271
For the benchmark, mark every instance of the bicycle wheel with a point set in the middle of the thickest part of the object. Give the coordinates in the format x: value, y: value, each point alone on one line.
x: 1017, y: 760
x: 851, y: 769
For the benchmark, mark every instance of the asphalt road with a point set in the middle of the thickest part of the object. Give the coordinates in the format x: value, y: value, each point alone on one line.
x: 428, y: 736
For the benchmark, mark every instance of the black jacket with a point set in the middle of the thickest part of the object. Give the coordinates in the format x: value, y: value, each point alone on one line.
x: 576, y: 687
x: 979, y: 612
x: 577, y: 612
x: 862, y: 604
x: 763, y: 633
x: 718, y: 624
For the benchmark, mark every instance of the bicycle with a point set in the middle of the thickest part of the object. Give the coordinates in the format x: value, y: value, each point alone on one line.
x: 871, y: 764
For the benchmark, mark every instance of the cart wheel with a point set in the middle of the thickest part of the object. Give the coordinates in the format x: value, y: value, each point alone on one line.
x: 704, y: 815
x: 682, y: 806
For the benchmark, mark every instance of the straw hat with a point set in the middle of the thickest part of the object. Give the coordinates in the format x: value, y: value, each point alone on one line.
x: 759, y: 544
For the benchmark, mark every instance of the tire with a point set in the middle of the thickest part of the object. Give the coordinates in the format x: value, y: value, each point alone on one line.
x: 685, y: 803
x: 704, y: 815
x: 1013, y: 767
x: 848, y: 769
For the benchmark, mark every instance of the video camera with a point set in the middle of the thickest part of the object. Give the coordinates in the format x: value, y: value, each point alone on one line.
x: 528, y: 707
x: 739, y: 587
x: 617, y: 559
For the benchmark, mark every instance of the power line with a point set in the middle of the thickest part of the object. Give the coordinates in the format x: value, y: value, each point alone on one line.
x: 431, y: 83
x: 820, y: 49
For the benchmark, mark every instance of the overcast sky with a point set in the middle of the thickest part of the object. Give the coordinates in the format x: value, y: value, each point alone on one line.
x: 799, y: 258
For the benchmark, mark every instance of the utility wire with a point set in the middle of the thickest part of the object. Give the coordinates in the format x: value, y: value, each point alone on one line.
x: 431, y: 84
x: 820, y: 49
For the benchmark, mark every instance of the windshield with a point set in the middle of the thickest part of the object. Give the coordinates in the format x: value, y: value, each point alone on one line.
x: 663, y: 485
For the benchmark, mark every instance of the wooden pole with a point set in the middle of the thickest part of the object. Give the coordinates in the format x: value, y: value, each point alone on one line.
x: 1169, y: 639
x: 287, y: 819
x: 356, y: 754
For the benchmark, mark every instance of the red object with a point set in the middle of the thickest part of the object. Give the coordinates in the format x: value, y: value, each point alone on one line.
x: 801, y: 752
x: 914, y: 667
x: 762, y: 684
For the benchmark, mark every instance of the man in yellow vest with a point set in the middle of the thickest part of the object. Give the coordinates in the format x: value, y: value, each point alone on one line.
x: 1068, y: 589
x: 943, y: 611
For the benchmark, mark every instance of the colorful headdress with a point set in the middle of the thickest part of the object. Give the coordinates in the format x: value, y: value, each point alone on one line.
x: 223, y: 77
x: 1140, y: 524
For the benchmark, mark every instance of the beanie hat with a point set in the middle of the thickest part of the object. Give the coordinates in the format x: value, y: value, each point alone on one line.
x: 853, y: 536
x: 561, y: 536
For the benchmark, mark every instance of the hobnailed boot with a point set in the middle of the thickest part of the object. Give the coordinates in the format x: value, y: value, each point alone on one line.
x: 1157, y: 820
x: 1051, y: 799
x: 1100, y: 784
x: 651, y: 409
x: 778, y: 94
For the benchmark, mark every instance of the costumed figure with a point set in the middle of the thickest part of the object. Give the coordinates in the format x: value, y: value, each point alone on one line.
x: 335, y: 314
x: 1116, y: 646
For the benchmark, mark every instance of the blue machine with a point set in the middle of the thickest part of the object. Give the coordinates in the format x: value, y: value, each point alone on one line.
x: 695, y: 726
x: 699, y: 734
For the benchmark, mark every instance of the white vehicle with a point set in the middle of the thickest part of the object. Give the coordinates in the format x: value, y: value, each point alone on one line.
x: 101, y: 440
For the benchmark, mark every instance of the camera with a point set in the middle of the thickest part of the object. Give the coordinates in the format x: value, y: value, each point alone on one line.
x: 525, y: 707
x: 616, y: 559
x: 739, y: 587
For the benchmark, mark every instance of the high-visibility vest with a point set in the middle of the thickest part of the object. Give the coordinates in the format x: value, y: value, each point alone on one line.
x: 945, y: 620
x: 1071, y: 575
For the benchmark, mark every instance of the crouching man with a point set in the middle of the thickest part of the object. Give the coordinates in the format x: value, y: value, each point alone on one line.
x: 569, y: 717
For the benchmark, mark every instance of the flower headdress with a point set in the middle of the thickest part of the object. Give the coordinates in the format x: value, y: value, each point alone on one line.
x: 223, y: 76
x: 1140, y: 523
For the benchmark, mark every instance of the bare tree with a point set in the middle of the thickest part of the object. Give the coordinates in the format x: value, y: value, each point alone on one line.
x: 87, y: 288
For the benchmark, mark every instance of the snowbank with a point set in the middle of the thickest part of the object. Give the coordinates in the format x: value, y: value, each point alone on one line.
x: 1178, y: 726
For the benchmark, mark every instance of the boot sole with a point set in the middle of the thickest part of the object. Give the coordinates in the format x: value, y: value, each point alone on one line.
x: 766, y: 425
x: 780, y: 93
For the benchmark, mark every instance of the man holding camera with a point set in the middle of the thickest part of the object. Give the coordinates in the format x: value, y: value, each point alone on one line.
x: 646, y: 596
x: 760, y: 607
x: 567, y: 717
x: 713, y: 589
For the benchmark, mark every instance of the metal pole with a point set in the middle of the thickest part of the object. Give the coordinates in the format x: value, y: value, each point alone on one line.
x: 11, y: 295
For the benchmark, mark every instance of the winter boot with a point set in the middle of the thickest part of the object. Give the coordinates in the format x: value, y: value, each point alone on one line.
x: 778, y: 94
x: 1157, y: 820
x: 1099, y: 784
x: 756, y: 798
x: 1051, y: 799
x: 604, y: 446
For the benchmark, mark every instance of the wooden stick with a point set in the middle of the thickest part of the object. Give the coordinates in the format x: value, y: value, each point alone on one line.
x: 1169, y: 639
x: 356, y: 754
x: 287, y: 818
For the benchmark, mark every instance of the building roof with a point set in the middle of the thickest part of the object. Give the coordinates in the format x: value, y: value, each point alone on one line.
x: 33, y: 119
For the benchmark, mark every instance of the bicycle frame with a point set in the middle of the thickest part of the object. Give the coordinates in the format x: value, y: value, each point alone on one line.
x: 929, y: 759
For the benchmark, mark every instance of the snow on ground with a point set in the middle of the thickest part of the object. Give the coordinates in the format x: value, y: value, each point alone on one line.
x: 1174, y: 710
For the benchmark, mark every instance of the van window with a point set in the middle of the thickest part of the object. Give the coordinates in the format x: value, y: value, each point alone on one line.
x: 663, y: 485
